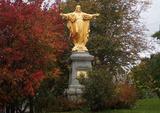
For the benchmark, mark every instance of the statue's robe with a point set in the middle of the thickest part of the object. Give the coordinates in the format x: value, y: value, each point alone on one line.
x: 78, y: 24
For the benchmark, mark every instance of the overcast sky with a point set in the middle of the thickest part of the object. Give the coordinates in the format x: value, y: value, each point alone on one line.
x: 151, y: 17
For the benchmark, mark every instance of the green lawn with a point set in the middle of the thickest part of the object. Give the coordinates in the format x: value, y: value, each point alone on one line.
x: 142, y: 106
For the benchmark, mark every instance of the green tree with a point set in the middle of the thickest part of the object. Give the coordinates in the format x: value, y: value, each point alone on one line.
x: 147, y: 74
x: 99, y: 89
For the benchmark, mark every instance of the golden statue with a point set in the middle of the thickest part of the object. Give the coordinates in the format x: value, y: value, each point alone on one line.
x: 78, y: 24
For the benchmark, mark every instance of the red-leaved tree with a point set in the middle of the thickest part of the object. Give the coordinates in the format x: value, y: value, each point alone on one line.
x: 31, y: 39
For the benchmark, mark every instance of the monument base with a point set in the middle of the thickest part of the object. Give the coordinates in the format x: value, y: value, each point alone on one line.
x: 74, y: 93
x: 81, y: 64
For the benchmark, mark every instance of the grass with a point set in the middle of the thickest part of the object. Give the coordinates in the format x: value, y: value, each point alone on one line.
x: 142, y: 106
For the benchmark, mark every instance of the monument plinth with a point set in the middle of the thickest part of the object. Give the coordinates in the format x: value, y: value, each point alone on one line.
x: 81, y: 63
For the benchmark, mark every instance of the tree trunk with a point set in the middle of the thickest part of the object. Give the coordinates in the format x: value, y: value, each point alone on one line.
x: 31, y: 105
x: 7, y: 109
x: 12, y: 108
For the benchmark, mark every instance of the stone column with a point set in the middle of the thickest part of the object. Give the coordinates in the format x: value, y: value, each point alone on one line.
x: 81, y: 62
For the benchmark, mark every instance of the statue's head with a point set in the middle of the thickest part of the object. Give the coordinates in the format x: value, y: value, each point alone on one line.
x: 78, y: 8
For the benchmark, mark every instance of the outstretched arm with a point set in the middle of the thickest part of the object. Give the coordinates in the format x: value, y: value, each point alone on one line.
x: 95, y: 15
x: 90, y: 16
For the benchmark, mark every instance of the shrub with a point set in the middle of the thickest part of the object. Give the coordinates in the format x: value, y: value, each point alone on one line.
x: 98, y: 88
x: 101, y: 93
x: 146, y: 76
x: 64, y: 104
x: 126, y: 95
x: 51, y: 98
x: 56, y: 104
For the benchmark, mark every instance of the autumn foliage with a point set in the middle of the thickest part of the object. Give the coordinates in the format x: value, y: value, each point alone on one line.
x: 31, y: 39
x: 126, y: 95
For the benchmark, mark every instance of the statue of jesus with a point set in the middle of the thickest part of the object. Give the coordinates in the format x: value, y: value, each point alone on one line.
x: 78, y: 25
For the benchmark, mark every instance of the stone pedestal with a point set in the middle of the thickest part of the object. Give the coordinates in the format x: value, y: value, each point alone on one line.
x: 81, y: 62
